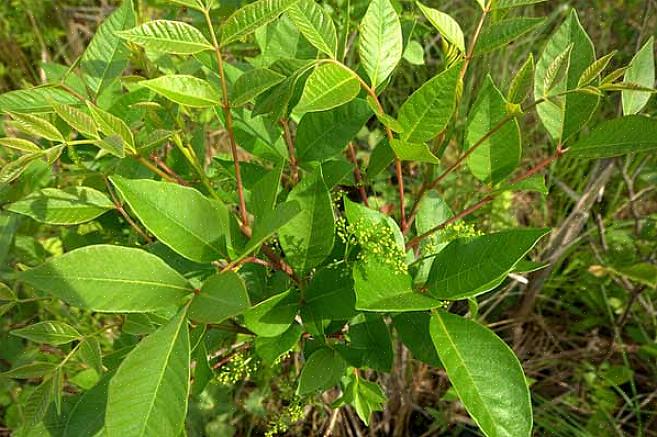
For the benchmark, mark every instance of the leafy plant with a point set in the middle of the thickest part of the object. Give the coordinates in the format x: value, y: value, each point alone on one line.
x: 271, y: 236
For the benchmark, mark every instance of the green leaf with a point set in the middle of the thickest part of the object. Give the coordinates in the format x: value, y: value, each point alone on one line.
x: 307, y: 239
x: 505, y: 32
x: 382, y: 284
x: 50, y: 332
x: 594, y: 70
x: 370, y: 343
x: 272, y: 348
x: 222, y: 296
x: 566, y: 115
x: 508, y: 4
x: 6, y: 293
x: 86, y: 417
x: 90, y: 354
x: 77, y: 119
x: 36, y: 126
x: 37, y: 403
x: 113, y: 126
x: 485, y: 374
x: 20, y: 144
x: 34, y: 100
x: 447, y: 26
x: 316, y: 25
x: 180, y: 217
x: 329, y: 296
x: 429, y: 109
x: 272, y: 317
x: 247, y: 19
x: 184, y: 90
x: 381, y: 42
x: 37, y: 369
x: 642, y: 273
x: 269, y: 224
x: 366, y: 397
x: 323, y: 135
x: 414, y: 53
x: 522, y: 82
x: 63, y: 207
x: 106, y: 57
x: 253, y: 83
x: 641, y: 71
x: 468, y: 267
x: 379, y: 288
x: 148, y: 394
x: 534, y: 183
x: 629, y: 134
x: 496, y: 157
x: 194, y: 4
x: 108, y: 278
x: 327, y: 87
x: 322, y: 371
x: 413, y: 330
x: 265, y: 192
x: 413, y: 152
x: 166, y: 36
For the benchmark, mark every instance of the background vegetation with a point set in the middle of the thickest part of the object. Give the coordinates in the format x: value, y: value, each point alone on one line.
x: 586, y: 335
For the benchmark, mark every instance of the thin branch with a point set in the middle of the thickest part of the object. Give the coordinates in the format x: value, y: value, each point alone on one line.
x: 294, y: 167
x: 351, y: 151
x: 126, y: 216
x: 398, y: 167
x: 486, y: 200
x: 229, y: 121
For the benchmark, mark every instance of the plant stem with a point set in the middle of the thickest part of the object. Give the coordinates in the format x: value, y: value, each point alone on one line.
x: 475, y: 39
x: 152, y: 167
x: 229, y: 121
x: 433, y: 184
x: 398, y: 167
x: 294, y: 167
x: 357, y: 174
x: 486, y: 200
x: 126, y: 216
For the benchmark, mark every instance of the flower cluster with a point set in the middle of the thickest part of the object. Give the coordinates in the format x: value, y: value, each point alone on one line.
x: 376, y: 242
x: 239, y: 368
x: 290, y: 414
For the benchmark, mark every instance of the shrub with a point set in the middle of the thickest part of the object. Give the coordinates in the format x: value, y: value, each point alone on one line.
x: 270, y: 236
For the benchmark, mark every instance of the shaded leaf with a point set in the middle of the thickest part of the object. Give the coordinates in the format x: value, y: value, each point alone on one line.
x: 222, y: 296
x: 322, y: 371
x: 253, y: 83
x: 629, y: 134
x: 272, y: 317
x: 497, y: 156
x: 106, y: 56
x: 323, y: 135
x: 307, y: 239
